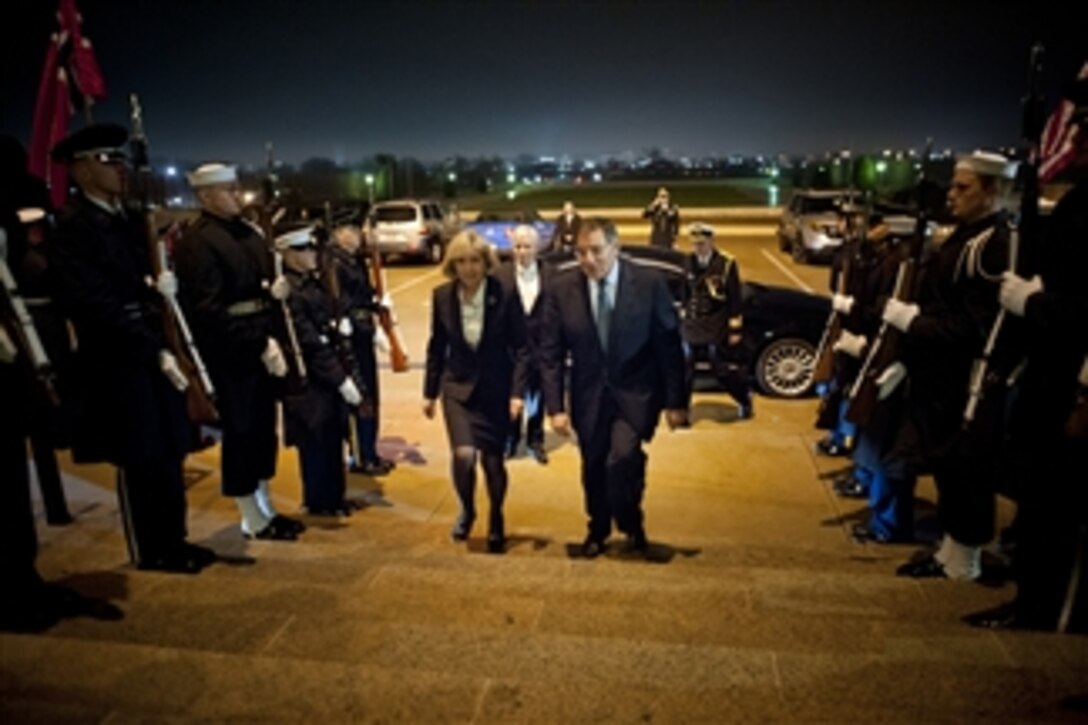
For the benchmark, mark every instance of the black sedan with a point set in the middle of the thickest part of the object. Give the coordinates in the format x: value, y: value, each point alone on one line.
x: 782, y: 326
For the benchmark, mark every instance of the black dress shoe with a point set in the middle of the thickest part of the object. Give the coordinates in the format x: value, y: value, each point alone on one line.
x: 202, y: 554
x: 1007, y: 616
x: 829, y: 447
x: 637, y: 543
x: 927, y: 568
x: 592, y: 548
x: 539, y: 453
x: 863, y: 533
x: 274, y: 531
x: 745, y: 412
x: 288, y: 523
x: 175, y: 562
x: 59, y: 519
x: 849, y: 487
x: 496, y: 543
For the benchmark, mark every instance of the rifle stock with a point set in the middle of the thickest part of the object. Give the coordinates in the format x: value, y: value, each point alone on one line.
x: 200, y: 393
x: 21, y: 329
x: 398, y: 356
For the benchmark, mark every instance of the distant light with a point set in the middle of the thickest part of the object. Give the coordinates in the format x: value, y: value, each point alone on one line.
x: 171, y: 171
x: 176, y: 201
x: 774, y: 172
x: 881, y: 167
x: 369, y: 179
x: 538, y: 179
x: 511, y: 194
x: 248, y: 197
x: 772, y: 195
x: 887, y: 152
x: 577, y: 179
x: 596, y: 176
x: 510, y: 178
x: 590, y: 165
x: 452, y: 176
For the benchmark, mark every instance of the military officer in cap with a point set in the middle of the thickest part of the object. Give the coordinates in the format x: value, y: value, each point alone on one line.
x: 316, y: 406
x: 360, y: 305
x: 566, y: 230
x: 131, y: 403
x: 713, y: 322
x: 232, y: 298
x: 944, y: 332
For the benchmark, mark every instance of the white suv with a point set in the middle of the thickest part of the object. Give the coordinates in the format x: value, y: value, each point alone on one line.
x: 409, y: 227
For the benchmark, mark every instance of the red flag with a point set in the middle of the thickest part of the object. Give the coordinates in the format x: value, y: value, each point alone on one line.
x: 69, y: 56
x: 1058, y: 144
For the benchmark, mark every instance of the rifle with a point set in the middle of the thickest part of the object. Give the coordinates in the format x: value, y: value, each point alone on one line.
x: 200, y: 394
x: 398, y: 356
x: 267, y: 225
x: 864, y: 393
x: 20, y: 324
x: 1027, y: 226
x: 825, y: 357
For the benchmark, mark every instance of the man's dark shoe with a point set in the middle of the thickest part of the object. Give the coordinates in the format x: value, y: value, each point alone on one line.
x: 863, y: 533
x: 1007, y: 616
x: 59, y: 519
x: 274, y: 531
x: 288, y: 523
x: 538, y: 452
x: 849, y: 487
x: 746, y: 411
x: 496, y: 543
x: 830, y: 447
x: 177, y: 561
x: 927, y: 568
x: 637, y: 543
x: 592, y: 548
x: 377, y: 467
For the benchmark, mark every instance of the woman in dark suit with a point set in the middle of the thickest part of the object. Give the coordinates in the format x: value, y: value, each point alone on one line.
x: 477, y: 358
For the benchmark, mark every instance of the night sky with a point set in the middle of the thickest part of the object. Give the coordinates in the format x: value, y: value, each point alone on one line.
x: 345, y: 80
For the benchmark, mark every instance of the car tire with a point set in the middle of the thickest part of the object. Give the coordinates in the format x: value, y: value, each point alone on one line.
x: 784, y: 368
x: 435, y: 251
x: 798, y: 251
x: 783, y: 243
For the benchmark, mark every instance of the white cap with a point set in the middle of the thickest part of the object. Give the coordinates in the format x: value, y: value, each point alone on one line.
x: 701, y: 229
x: 297, y: 238
x: 208, y: 174
x: 986, y: 163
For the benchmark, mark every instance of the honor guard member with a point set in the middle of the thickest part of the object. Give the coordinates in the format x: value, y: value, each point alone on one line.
x: 316, y: 405
x: 131, y: 403
x: 233, y: 301
x: 664, y: 220
x: 713, y: 326
x: 360, y: 305
x: 1051, y: 297
x: 566, y: 230
x: 945, y: 331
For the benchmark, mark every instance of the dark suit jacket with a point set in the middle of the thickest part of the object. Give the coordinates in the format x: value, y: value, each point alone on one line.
x: 565, y: 235
x: 498, y: 364
x: 644, y: 369
x: 534, y: 317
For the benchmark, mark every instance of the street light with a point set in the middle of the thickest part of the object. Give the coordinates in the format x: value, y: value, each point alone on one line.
x: 370, y: 188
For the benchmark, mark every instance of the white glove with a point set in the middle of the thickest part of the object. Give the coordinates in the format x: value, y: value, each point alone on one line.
x: 280, y: 289
x: 842, y: 303
x: 1015, y: 291
x: 350, y: 392
x: 169, y: 365
x: 381, y: 340
x: 167, y: 283
x: 273, y: 359
x: 849, y: 343
x: 386, y: 301
x: 899, y: 314
x: 344, y: 327
x: 8, y: 351
x: 889, y: 379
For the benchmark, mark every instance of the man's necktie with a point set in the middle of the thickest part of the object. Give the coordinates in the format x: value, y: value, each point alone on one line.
x: 604, y: 313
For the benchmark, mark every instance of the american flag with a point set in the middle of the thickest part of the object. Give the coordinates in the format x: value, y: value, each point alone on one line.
x: 1057, y: 146
x: 70, y: 79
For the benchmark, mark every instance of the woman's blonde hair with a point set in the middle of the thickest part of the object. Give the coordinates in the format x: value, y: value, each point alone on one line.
x: 468, y: 242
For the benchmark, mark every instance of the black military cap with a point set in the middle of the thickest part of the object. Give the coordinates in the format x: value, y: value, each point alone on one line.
x: 101, y: 141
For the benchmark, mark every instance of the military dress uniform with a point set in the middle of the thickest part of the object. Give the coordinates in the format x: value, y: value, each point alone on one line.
x: 360, y: 305
x: 128, y: 412
x: 664, y: 223
x: 712, y: 313
x: 225, y: 269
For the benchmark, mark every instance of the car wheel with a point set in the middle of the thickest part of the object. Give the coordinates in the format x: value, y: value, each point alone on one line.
x: 434, y: 251
x: 785, y: 367
x: 798, y: 251
x: 783, y: 243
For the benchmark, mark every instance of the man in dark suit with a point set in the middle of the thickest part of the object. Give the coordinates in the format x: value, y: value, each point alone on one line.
x: 566, y: 229
x: 618, y: 324
x: 525, y: 277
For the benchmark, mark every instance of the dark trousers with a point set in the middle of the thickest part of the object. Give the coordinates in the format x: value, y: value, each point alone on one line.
x: 18, y: 539
x: 363, y: 437
x: 534, y: 421
x: 153, y: 508
x: 726, y: 366
x: 249, y: 449
x: 321, y: 459
x: 49, y: 481
x: 966, y: 503
x: 613, y: 475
